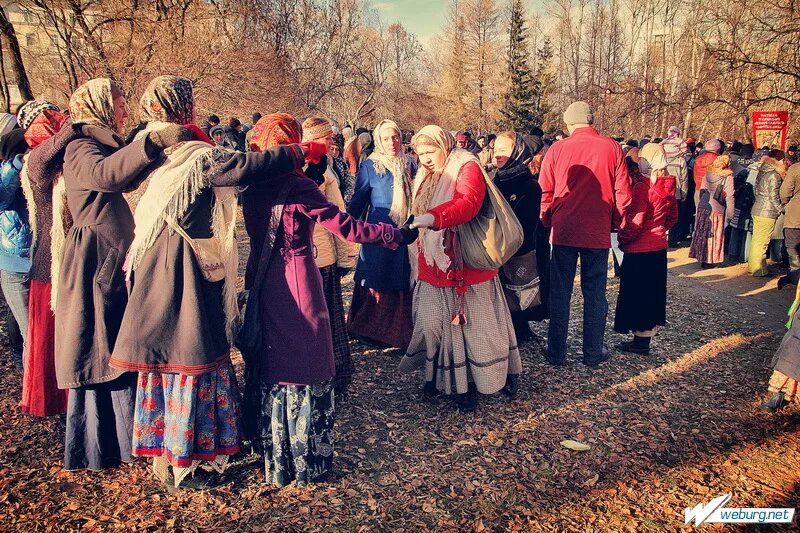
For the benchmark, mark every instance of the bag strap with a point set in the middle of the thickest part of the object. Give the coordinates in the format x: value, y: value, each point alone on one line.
x: 272, y: 233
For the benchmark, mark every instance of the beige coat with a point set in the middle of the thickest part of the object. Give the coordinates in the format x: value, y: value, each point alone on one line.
x: 790, y: 196
x: 329, y: 249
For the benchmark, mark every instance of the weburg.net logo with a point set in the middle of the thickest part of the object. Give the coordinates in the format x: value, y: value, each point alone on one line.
x: 715, y: 512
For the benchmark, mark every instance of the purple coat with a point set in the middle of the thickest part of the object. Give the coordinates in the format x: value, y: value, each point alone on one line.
x: 299, y: 347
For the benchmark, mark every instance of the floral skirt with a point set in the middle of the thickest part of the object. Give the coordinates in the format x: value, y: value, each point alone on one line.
x: 708, y: 241
x: 295, y: 432
x: 185, y: 419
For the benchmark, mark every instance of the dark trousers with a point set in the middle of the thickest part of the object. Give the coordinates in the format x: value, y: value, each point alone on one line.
x: 594, y: 269
x: 791, y: 237
x: 680, y: 230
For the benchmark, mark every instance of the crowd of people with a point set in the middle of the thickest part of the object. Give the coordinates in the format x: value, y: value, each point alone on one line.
x: 119, y: 261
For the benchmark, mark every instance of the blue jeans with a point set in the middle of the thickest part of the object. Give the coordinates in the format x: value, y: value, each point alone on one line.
x: 15, y: 286
x: 594, y: 269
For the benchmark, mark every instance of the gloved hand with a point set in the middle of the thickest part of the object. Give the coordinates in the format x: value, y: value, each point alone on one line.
x: 313, y: 151
x: 170, y: 136
x: 316, y: 171
x: 409, y: 234
x: 423, y: 221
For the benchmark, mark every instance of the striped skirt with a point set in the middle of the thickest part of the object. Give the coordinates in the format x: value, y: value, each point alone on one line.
x: 483, y: 351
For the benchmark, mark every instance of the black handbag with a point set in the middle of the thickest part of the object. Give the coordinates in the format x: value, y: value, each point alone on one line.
x: 250, y: 337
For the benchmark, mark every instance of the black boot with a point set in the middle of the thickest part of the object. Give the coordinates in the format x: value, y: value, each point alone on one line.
x: 512, y: 385
x: 522, y: 330
x: 467, y: 403
x: 430, y: 389
x: 639, y: 345
x: 775, y: 403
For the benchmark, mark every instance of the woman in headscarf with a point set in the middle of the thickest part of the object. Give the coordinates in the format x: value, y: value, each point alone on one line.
x: 380, y: 313
x: 91, y: 294
x: 511, y: 157
x: 182, y: 264
x: 642, y: 302
x: 463, y: 334
x: 334, y: 256
x: 292, y: 396
x: 713, y: 210
x: 40, y: 393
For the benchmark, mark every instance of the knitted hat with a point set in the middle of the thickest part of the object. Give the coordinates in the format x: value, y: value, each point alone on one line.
x: 30, y: 110
x: 673, y: 131
x: 578, y: 113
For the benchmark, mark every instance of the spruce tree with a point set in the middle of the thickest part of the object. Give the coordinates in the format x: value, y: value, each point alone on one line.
x: 520, y: 101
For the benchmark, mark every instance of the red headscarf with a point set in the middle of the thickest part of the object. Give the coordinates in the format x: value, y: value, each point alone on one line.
x: 274, y: 130
x: 44, y: 126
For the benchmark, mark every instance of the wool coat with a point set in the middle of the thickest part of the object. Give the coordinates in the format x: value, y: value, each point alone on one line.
x: 175, y: 320
x: 298, y: 343
x: 92, y: 294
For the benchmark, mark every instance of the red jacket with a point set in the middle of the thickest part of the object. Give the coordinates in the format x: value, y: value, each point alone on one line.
x: 467, y: 200
x: 701, y: 164
x: 653, y: 211
x: 585, y: 189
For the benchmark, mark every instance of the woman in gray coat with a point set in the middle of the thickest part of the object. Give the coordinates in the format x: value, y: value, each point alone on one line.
x: 91, y: 293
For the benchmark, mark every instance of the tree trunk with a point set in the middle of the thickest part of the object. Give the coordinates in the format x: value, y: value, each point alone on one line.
x: 17, y: 66
x: 4, y: 92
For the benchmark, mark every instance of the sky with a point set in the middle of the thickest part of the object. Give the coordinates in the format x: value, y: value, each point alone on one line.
x: 424, y: 18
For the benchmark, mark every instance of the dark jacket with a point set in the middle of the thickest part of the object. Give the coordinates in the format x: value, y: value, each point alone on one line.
x: 298, y: 342
x: 15, y: 230
x: 234, y: 140
x: 91, y: 293
x: 175, y: 319
x: 768, y: 189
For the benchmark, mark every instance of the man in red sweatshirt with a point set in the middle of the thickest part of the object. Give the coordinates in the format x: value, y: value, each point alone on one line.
x: 585, y: 192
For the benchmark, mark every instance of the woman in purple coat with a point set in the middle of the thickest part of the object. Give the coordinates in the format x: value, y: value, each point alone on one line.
x: 295, y: 409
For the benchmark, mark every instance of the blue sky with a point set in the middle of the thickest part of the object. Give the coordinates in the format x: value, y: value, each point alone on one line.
x: 423, y: 17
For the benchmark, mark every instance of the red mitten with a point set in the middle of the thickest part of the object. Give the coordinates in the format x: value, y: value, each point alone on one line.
x: 313, y: 151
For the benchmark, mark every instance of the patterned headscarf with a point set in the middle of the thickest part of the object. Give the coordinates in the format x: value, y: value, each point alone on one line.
x: 274, y: 130
x: 93, y: 103
x: 435, y: 135
x: 30, y: 110
x: 168, y: 99
x: 44, y: 126
x: 315, y: 128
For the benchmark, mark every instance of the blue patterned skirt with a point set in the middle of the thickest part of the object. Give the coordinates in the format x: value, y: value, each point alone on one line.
x: 295, y: 432
x: 187, y: 418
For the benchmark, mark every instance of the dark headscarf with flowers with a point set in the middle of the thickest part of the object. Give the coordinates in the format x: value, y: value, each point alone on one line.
x: 168, y: 99
x: 274, y: 130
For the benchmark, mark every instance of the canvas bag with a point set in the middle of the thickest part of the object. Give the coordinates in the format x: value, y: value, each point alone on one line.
x: 206, y: 251
x: 490, y: 239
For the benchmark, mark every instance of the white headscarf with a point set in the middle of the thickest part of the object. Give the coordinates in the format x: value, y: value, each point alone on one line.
x: 400, y: 167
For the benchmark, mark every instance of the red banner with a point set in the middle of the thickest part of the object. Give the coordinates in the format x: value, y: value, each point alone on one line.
x: 769, y: 129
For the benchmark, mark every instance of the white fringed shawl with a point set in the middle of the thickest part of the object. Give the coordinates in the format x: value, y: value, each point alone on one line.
x: 173, y: 187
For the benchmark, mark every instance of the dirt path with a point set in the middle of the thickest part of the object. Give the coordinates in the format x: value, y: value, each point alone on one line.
x: 667, y: 431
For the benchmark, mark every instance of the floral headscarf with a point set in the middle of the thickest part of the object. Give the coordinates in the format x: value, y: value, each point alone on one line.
x: 442, y: 139
x: 31, y: 109
x: 168, y: 99
x: 274, y: 130
x: 93, y: 103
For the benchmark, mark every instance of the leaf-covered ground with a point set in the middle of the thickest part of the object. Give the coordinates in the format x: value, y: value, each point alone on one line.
x: 667, y: 431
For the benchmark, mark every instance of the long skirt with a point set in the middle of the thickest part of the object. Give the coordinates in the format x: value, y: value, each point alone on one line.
x: 708, y: 241
x: 40, y: 393
x: 483, y: 350
x: 780, y: 382
x: 382, y: 317
x: 332, y: 287
x: 100, y: 424
x: 295, y: 432
x: 642, y: 300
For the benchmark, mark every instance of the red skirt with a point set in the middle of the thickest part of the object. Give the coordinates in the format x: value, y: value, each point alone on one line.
x: 381, y: 317
x: 40, y: 393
